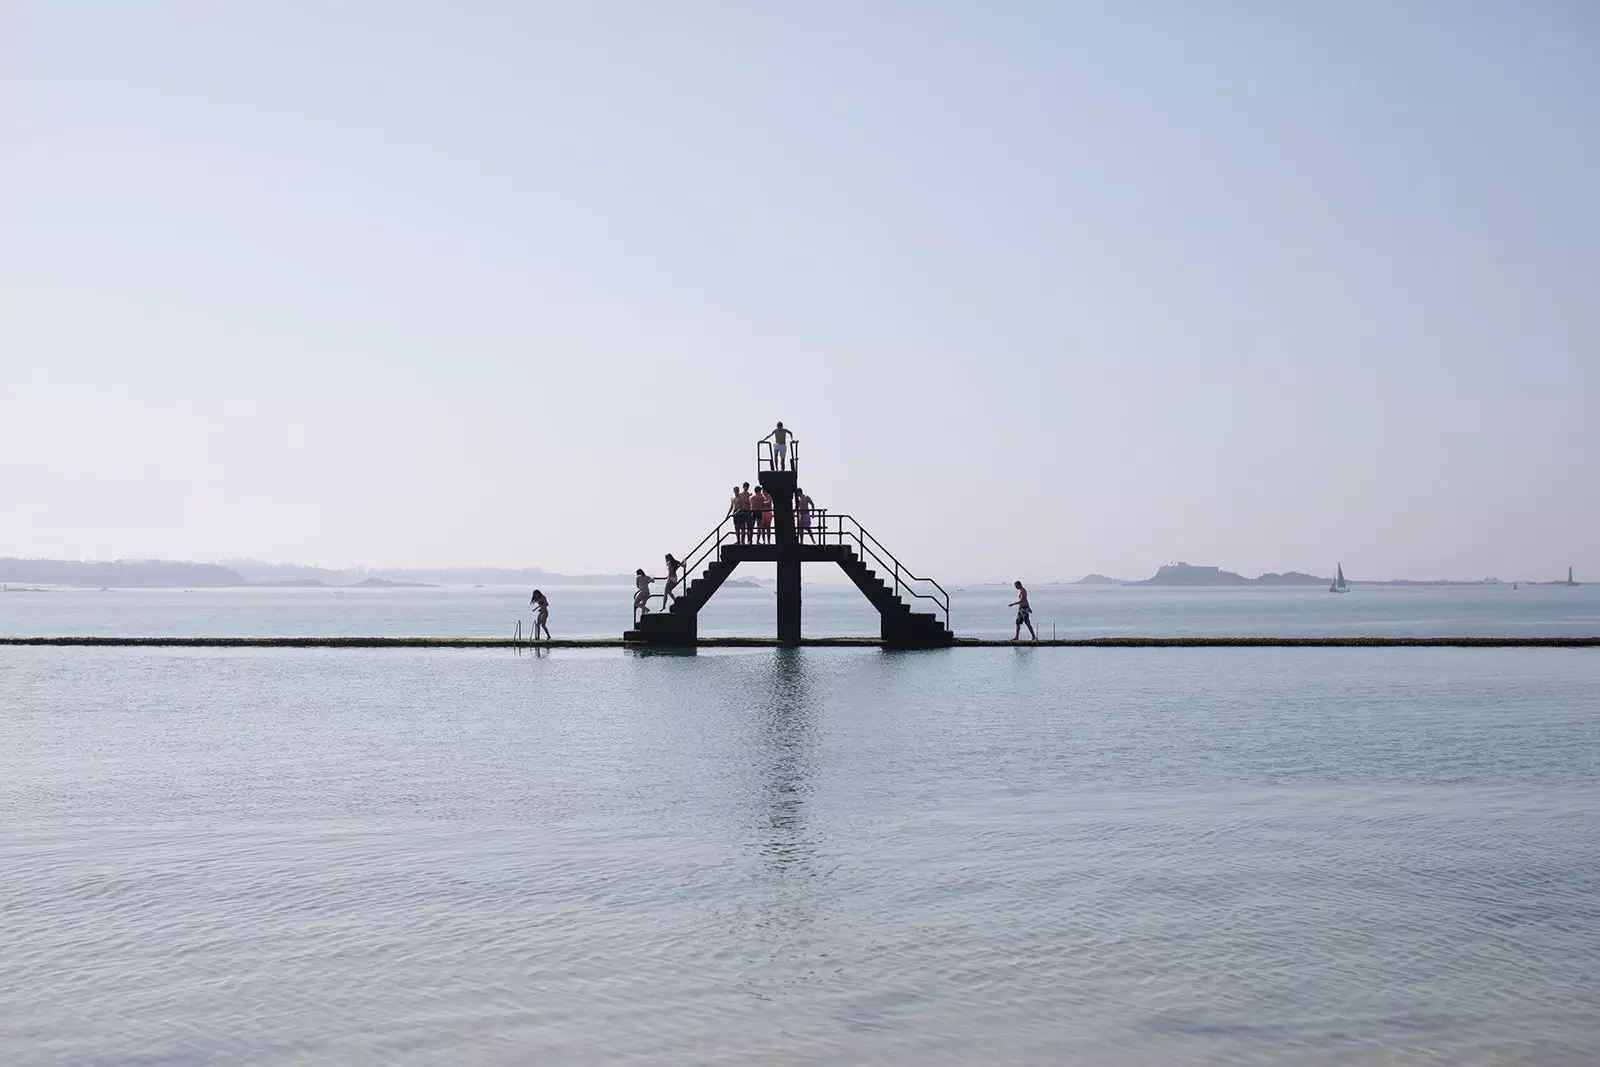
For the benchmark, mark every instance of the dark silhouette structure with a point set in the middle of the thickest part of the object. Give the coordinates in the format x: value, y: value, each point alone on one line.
x: 837, y: 539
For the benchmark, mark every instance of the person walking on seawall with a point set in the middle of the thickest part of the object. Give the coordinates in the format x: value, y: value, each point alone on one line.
x: 541, y: 621
x: 1024, y: 613
x: 674, y: 566
x: 780, y: 447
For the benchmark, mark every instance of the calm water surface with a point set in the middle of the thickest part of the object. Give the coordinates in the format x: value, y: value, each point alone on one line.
x: 830, y: 610
x: 820, y: 856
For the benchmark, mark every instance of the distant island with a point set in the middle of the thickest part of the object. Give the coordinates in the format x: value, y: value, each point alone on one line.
x: 741, y: 583
x: 384, y: 583
x: 1187, y: 575
x: 1184, y: 574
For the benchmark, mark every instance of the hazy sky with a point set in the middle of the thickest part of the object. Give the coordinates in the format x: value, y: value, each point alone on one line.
x: 1043, y: 288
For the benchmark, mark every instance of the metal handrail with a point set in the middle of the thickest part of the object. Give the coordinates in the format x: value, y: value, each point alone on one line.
x: 871, y: 548
x: 694, y: 561
x: 767, y: 460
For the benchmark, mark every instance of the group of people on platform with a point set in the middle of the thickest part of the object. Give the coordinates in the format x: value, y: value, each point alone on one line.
x: 752, y: 510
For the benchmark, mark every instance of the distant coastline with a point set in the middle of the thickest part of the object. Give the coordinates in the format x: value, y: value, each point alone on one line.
x: 253, y: 574
x: 247, y: 574
x: 1187, y: 575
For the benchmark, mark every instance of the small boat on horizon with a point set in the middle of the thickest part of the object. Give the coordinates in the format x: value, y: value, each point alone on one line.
x: 1337, y: 585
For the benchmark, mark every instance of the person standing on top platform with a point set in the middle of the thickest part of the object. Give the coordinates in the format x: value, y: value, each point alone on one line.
x: 780, y: 447
x: 1024, y: 614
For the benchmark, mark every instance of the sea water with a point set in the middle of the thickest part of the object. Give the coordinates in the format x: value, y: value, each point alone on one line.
x: 812, y: 856
x: 587, y: 611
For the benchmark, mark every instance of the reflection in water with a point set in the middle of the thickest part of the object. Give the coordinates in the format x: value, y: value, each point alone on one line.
x: 786, y: 722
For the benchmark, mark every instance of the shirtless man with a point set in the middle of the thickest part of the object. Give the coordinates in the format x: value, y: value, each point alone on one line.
x: 1024, y: 614
x: 780, y: 447
x: 738, y: 514
x: 802, y: 514
x: 747, y: 509
x: 766, y: 517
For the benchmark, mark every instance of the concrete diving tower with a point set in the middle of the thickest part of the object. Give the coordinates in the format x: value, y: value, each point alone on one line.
x: 838, y: 539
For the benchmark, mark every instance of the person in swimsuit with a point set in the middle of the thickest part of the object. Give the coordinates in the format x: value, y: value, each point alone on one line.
x: 738, y: 517
x: 802, y: 514
x: 763, y: 505
x: 1024, y: 613
x: 673, y: 567
x: 746, y: 514
x: 780, y: 447
x: 542, y: 619
x: 641, y: 594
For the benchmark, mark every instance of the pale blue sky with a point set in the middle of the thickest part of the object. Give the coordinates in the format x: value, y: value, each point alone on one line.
x: 1043, y: 288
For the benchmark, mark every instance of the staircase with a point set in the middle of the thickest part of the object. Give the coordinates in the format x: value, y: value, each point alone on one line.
x: 899, y: 625
x: 679, y: 624
x: 838, y: 539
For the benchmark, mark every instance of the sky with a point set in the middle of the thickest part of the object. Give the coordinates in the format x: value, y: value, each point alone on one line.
x: 1042, y: 289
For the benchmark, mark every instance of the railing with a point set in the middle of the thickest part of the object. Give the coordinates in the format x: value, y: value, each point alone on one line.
x: 844, y: 529
x: 767, y: 454
x: 825, y: 528
x: 694, y: 562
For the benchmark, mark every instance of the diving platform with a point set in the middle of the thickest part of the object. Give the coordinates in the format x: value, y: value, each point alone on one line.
x: 913, y: 611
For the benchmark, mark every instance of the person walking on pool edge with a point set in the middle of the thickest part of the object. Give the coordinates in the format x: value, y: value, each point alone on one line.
x: 541, y: 621
x: 780, y: 447
x: 1024, y: 614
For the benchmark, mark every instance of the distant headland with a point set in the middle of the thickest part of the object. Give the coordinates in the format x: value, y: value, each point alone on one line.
x: 252, y: 574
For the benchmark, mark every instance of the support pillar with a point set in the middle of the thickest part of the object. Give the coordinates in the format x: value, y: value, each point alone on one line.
x: 781, y: 485
x: 789, y: 600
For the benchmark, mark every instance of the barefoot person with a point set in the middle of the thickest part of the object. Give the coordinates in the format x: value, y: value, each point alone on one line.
x: 1024, y: 614
x: 641, y: 591
x: 780, y: 447
x: 673, y: 567
x: 541, y: 620
x: 745, y: 500
x: 738, y: 517
x: 763, y: 508
x: 802, y: 514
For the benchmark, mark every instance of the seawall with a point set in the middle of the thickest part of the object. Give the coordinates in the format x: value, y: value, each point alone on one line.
x: 810, y: 642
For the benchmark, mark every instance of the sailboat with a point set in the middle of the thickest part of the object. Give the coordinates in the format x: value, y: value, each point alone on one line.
x: 1337, y: 585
